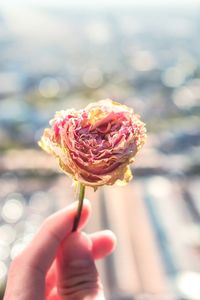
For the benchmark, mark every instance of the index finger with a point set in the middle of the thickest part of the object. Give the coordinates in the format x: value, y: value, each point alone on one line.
x: 43, y: 248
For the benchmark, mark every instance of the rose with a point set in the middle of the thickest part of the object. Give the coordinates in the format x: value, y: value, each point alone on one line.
x: 95, y: 145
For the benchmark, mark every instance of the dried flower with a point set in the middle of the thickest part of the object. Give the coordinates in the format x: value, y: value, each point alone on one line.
x: 95, y: 145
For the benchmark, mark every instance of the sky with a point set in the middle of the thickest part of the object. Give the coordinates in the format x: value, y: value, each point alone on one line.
x: 101, y: 3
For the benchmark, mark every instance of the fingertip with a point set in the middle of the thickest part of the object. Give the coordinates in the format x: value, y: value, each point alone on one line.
x: 85, y: 214
x: 76, y: 248
x: 87, y: 206
x: 104, y: 243
x: 111, y: 237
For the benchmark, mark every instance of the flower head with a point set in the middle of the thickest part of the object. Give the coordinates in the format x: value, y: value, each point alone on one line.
x: 95, y: 145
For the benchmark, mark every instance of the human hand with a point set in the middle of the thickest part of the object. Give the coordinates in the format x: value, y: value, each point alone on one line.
x: 58, y: 264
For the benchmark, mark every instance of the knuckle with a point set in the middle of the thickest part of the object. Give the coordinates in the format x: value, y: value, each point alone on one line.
x: 78, y: 286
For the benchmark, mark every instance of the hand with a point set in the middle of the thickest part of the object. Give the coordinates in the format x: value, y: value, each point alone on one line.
x: 58, y: 264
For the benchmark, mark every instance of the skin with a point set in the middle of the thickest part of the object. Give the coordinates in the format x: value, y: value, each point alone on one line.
x: 58, y: 264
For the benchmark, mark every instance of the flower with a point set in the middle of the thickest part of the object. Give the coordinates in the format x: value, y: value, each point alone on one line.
x: 95, y: 145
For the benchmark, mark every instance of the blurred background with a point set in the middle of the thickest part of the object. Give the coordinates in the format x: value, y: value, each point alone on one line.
x: 57, y: 55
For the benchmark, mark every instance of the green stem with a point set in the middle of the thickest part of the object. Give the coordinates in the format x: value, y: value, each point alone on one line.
x: 80, y: 193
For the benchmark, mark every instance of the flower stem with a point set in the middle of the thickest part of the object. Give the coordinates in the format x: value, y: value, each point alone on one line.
x: 80, y: 194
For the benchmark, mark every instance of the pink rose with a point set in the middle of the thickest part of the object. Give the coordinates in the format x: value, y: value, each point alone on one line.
x: 95, y: 145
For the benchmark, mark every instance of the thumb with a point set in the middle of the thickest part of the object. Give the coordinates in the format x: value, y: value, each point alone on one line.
x: 77, y: 276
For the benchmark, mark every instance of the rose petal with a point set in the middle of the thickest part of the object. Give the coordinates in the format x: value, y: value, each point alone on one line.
x: 95, y: 145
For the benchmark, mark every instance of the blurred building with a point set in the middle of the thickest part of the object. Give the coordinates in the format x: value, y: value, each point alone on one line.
x: 53, y: 58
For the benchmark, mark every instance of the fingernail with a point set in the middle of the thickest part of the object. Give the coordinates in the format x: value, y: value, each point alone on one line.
x: 76, y: 251
x: 80, y: 263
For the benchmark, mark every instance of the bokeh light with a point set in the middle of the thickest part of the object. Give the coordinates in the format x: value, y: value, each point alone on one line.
x: 61, y: 54
x: 7, y: 233
x: 49, y: 87
x: 189, y: 285
x: 3, y: 271
x: 13, y: 209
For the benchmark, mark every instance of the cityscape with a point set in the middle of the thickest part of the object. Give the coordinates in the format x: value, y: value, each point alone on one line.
x: 145, y: 57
